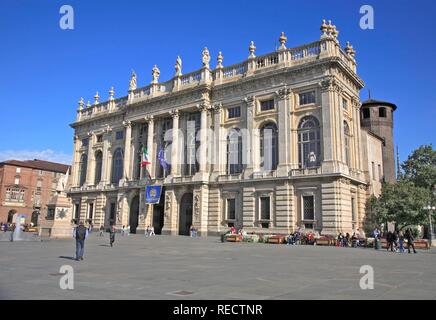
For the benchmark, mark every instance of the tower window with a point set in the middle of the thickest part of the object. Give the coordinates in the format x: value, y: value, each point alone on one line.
x: 366, y: 113
x: 382, y: 112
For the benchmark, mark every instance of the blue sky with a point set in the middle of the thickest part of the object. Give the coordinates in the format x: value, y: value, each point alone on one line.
x: 44, y: 70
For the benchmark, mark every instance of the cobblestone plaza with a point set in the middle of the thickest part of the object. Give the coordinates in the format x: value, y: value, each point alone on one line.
x: 176, y: 267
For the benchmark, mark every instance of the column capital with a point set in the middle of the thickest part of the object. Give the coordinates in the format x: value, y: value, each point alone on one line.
x: 203, y: 107
x: 174, y: 113
x: 149, y: 118
x: 328, y: 84
x: 90, y: 133
x: 249, y: 100
x: 283, y: 93
x: 355, y: 101
x: 107, y: 129
x: 217, y: 107
x: 127, y: 124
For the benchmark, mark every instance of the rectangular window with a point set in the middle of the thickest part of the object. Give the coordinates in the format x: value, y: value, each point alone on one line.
x: 90, y: 210
x: 14, y: 195
x: 85, y: 142
x: 373, y: 170
x: 119, y: 135
x: 267, y: 105
x: 366, y: 113
x: 382, y: 112
x: 41, y: 172
x: 231, y: 209
x: 380, y: 174
x: 112, y: 212
x: 344, y: 103
x: 77, y: 212
x: 50, y: 214
x: 308, y: 208
x: 39, y: 183
x: 307, y: 98
x: 18, y: 170
x: 265, y: 208
x: 234, y: 112
x: 17, y: 181
x: 100, y: 138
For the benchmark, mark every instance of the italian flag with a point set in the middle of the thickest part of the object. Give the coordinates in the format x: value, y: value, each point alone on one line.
x: 144, y: 160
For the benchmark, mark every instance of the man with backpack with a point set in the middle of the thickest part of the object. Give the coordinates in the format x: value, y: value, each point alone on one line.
x: 80, y: 233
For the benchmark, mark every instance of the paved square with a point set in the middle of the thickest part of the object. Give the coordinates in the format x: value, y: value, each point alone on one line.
x: 170, y: 267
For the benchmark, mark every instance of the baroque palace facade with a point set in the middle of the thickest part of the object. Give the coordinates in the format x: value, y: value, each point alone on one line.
x: 268, y: 145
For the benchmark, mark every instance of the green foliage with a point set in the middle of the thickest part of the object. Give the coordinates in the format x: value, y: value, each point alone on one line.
x: 403, y: 203
x: 420, y: 167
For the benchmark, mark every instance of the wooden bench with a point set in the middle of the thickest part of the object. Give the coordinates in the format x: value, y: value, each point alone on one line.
x: 276, y: 239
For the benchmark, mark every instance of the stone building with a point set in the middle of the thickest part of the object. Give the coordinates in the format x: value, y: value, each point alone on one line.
x: 26, y: 187
x: 269, y: 144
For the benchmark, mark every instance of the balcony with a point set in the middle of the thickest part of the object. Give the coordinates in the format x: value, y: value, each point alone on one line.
x: 305, y: 172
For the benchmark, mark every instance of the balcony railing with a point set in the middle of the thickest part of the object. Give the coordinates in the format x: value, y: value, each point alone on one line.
x: 287, y: 57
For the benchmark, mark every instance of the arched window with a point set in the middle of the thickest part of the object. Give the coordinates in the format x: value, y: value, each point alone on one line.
x: 234, y: 151
x: 117, y: 166
x: 82, y: 169
x: 98, y: 166
x: 347, y: 143
x: 309, y: 142
x: 269, y: 151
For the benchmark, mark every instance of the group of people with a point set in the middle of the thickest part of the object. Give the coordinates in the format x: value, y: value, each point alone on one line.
x: 395, y: 240
x: 149, y: 231
x: 299, y: 237
x: 347, y: 240
x: 193, y: 232
x: 7, y: 226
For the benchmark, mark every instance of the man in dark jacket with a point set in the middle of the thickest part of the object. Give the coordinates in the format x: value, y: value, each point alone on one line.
x: 80, y: 233
x: 410, y: 239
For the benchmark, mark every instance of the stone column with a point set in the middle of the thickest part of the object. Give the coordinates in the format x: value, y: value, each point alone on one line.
x: 150, y: 146
x: 127, y: 151
x: 90, y: 165
x: 76, y: 162
x: 218, y: 159
x: 202, y: 152
x: 171, y: 214
x: 284, y: 146
x: 248, y: 142
x: 175, y: 152
x: 329, y: 128
x: 105, y: 165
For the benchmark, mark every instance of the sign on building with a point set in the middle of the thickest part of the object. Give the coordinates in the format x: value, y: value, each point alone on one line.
x: 152, y: 194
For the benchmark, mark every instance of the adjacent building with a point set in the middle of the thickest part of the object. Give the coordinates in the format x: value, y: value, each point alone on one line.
x: 268, y: 144
x: 26, y: 187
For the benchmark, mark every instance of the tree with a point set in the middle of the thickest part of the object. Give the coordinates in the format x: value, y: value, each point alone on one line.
x: 403, y: 203
x: 420, y: 167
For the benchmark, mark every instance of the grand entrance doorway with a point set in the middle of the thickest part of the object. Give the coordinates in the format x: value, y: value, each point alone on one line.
x: 158, y: 213
x: 11, y: 214
x: 34, y: 219
x: 185, y: 214
x: 134, y: 214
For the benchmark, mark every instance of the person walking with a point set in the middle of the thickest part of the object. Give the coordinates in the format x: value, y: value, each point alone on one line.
x: 410, y: 240
x: 147, y: 231
x: 123, y: 230
x: 390, y: 244
x: 152, y: 231
x: 401, y: 241
x: 80, y: 233
x: 112, y: 235
x: 101, y: 231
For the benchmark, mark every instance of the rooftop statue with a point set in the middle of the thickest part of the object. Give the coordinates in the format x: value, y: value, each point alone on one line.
x: 132, y: 84
x: 206, y: 57
x: 178, y: 66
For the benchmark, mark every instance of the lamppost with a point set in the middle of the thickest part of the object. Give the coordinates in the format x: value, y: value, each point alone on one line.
x: 431, y: 209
